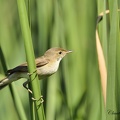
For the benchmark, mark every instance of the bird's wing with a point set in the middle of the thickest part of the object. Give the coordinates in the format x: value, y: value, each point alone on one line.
x: 41, y: 61
x: 19, y: 68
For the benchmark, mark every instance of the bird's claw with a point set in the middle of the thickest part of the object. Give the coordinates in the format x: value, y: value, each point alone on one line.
x: 39, y: 99
x: 29, y: 74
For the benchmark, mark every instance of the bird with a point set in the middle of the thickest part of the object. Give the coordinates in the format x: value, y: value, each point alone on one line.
x: 46, y: 66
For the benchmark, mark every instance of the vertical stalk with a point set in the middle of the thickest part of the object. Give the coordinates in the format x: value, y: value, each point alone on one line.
x: 35, y: 87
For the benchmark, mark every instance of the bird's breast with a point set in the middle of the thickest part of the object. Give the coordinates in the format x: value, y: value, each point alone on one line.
x: 48, y: 69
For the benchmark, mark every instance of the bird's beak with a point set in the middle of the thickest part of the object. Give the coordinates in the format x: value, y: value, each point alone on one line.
x: 69, y: 51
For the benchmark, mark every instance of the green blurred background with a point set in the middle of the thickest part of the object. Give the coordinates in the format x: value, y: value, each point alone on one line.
x: 74, y: 92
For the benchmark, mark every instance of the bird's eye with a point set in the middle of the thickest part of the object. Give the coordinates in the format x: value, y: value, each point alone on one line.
x: 60, y: 52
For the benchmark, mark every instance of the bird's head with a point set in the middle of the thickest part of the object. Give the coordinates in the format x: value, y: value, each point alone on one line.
x: 56, y: 53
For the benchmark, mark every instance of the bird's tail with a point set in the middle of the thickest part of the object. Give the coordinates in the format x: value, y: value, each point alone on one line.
x: 4, y: 82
